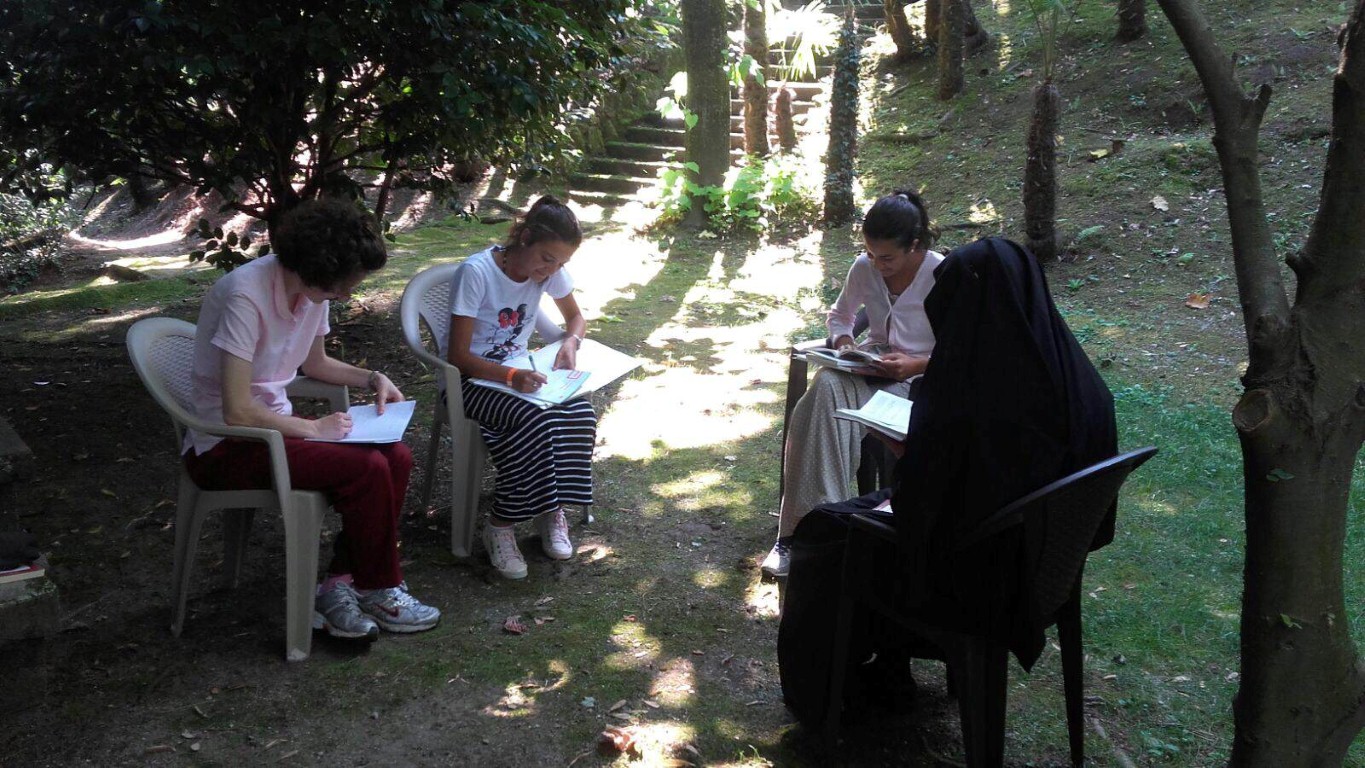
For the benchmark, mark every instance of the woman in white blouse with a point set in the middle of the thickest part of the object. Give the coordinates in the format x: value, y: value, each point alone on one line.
x: 889, y: 280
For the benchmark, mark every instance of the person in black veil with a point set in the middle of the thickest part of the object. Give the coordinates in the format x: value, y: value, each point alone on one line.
x: 1008, y: 403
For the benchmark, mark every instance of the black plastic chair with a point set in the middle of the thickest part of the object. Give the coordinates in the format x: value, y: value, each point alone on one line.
x: 1060, y: 521
x: 876, y: 462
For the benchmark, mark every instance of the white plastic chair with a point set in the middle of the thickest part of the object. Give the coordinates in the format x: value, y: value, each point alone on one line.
x: 426, y: 300
x: 162, y: 350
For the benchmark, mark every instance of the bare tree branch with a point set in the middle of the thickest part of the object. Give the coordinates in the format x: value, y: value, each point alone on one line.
x: 1237, y: 122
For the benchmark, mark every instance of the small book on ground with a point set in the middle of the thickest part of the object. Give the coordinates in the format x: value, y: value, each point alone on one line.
x: 31, y: 571
x: 885, y: 413
x: 598, y: 366
x: 845, y: 359
x: 369, y: 426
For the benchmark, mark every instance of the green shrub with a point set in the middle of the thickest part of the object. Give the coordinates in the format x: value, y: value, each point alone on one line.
x: 756, y: 195
x: 30, y: 237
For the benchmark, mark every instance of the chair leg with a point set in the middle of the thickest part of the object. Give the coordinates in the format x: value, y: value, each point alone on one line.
x: 983, y: 677
x: 796, y: 387
x: 433, y: 451
x: 302, y: 530
x: 465, y: 479
x: 838, y: 669
x: 236, y: 530
x: 1073, y: 677
x: 189, y: 521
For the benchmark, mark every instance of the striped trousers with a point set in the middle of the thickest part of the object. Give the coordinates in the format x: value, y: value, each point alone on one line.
x: 543, y: 455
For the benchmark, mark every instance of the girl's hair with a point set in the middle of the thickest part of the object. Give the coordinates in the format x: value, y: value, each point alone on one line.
x: 327, y: 241
x: 548, y: 219
x: 902, y: 217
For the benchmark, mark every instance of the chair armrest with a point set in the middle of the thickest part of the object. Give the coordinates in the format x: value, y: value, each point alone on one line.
x: 335, y: 394
x: 548, y: 330
x: 279, y: 463
x: 871, y: 526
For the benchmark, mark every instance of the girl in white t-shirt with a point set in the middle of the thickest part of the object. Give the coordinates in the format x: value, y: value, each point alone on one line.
x: 890, y: 280
x: 543, y: 456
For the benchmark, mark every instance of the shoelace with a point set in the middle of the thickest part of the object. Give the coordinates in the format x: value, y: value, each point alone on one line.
x: 506, y: 545
x: 348, y: 596
x: 559, y: 529
x: 400, y: 597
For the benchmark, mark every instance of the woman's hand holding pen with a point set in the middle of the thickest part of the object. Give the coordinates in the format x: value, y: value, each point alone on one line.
x: 528, y: 381
x: 333, y: 426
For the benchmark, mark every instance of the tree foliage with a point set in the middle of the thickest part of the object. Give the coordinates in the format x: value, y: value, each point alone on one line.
x: 272, y: 103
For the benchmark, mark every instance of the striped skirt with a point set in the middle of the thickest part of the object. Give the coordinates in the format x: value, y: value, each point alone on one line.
x: 543, y: 455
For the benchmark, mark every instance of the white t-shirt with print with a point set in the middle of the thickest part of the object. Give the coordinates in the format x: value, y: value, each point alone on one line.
x: 504, y: 310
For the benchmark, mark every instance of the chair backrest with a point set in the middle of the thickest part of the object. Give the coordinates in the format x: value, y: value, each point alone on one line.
x: 1059, y: 525
x: 162, y: 351
x: 426, y: 301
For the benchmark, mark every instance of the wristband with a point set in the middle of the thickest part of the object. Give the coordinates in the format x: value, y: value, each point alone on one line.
x: 580, y: 339
x: 373, y: 381
x: 511, y: 374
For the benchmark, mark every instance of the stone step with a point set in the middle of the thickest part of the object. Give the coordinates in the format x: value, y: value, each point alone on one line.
x: 799, y: 107
x: 616, y: 166
x: 604, y: 199
x: 861, y: 11
x: 643, y: 134
x: 600, y: 182
x: 630, y: 150
x: 656, y: 120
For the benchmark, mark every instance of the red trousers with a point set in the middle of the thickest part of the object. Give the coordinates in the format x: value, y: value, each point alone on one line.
x: 365, y: 484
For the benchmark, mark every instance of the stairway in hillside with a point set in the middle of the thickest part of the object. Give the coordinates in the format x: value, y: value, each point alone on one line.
x: 651, y: 144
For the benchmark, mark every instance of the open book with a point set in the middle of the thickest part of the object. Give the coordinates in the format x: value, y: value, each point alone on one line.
x: 850, y: 358
x: 885, y: 413
x: 368, y: 426
x: 598, y: 366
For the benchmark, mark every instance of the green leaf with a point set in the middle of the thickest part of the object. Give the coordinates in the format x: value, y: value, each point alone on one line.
x: 1089, y: 232
x: 1289, y: 621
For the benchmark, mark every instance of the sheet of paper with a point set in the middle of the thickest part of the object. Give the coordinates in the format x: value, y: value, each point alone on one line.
x: 598, y: 365
x: 884, y: 412
x: 367, y: 426
x: 886, y: 408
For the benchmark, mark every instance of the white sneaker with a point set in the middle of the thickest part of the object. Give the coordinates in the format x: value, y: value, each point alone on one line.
x: 778, y: 561
x: 501, y: 544
x: 554, y: 535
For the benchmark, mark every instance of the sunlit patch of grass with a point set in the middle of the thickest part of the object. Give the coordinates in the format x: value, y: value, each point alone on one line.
x: 103, y: 297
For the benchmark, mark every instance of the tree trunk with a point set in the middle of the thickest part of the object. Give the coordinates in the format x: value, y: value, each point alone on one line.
x: 975, y: 36
x: 950, y: 77
x: 139, y: 190
x: 708, y: 97
x: 1132, y: 20
x: 1040, y: 173
x: 783, y: 120
x: 755, y: 85
x: 933, y: 20
x: 1301, y: 419
x: 840, y: 208
x: 899, y: 28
